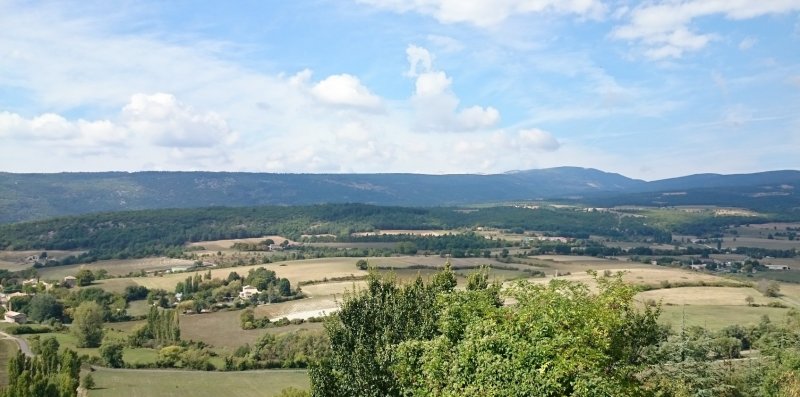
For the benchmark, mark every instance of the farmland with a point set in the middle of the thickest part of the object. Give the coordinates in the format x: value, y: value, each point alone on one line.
x: 326, y: 271
x: 175, y: 383
x: 7, y: 349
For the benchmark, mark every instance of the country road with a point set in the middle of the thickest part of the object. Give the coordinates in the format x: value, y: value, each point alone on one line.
x: 23, y: 344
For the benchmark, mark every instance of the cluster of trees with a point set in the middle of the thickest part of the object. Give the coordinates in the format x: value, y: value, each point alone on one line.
x: 162, y: 329
x: 133, y: 234
x: 61, y: 305
x: 289, y: 350
x: 51, y: 373
x: 560, y: 339
x: 263, y: 245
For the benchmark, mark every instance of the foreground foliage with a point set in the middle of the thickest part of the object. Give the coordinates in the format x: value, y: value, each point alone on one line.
x: 560, y: 339
x: 49, y: 374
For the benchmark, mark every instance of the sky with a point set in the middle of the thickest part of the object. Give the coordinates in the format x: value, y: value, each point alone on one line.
x: 650, y: 89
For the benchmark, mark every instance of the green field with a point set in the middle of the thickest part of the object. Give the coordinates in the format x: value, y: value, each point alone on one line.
x: 7, y: 349
x: 715, y: 317
x: 176, y: 383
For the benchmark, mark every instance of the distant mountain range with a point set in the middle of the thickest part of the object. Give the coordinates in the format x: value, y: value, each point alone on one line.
x: 36, y: 196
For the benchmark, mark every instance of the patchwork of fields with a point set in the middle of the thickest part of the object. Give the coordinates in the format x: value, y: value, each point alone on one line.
x: 687, y: 298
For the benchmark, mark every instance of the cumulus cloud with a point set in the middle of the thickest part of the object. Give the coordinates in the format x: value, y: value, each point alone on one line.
x: 537, y: 139
x: 664, y: 29
x: 418, y: 59
x: 345, y: 90
x: 436, y: 106
x: 487, y: 13
x: 168, y: 122
x: 353, y: 131
x: 55, y: 128
x: 160, y: 118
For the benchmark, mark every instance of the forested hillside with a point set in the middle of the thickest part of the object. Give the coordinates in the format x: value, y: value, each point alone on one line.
x: 38, y: 196
x: 164, y: 232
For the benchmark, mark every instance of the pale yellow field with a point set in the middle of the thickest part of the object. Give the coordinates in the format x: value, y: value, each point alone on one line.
x: 222, y: 245
x: 715, y: 317
x: 117, y: 267
x: 642, y: 274
x: 16, y: 260
x: 721, y: 296
x: 289, y: 309
x: 305, y: 270
x: 571, y: 258
x: 413, y: 232
x: 223, y: 329
x: 295, y: 271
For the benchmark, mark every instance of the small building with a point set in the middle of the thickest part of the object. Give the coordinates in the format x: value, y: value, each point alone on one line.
x: 5, y: 300
x: 70, y: 281
x: 31, y: 281
x: 700, y: 266
x: 179, y: 269
x: 778, y: 267
x: 179, y: 296
x: 248, y: 291
x: 15, y: 317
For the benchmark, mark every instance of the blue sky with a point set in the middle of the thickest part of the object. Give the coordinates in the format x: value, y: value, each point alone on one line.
x: 648, y: 89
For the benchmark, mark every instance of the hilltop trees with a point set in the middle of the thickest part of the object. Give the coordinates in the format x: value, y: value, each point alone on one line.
x: 557, y: 340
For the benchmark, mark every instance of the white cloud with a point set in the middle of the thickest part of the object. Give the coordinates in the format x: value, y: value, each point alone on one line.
x: 159, y: 118
x: 431, y: 84
x: 487, y: 13
x: 747, y: 43
x: 537, y: 139
x: 345, y: 90
x: 436, y: 106
x: 168, y: 122
x: 353, y: 131
x: 663, y: 27
x: 418, y: 57
x: 53, y: 128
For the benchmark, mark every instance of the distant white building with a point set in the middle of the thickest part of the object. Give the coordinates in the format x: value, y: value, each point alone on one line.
x: 15, y: 317
x: 778, y: 267
x: 700, y: 266
x: 248, y: 291
x: 70, y: 281
x: 31, y: 281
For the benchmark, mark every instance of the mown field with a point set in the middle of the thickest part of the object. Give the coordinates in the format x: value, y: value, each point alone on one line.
x: 16, y: 260
x: 120, y: 267
x: 177, y: 383
x: 8, y: 348
x: 715, y: 317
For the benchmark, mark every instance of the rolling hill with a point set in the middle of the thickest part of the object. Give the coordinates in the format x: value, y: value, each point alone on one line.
x: 37, y: 196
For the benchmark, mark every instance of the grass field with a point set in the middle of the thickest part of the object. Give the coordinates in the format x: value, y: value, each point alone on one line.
x: 223, y: 330
x: 760, y: 242
x: 175, y: 383
x: 8, y: 348
x: 704, y: 296
x: 227, y: 245
x: 16, y: 260
x: 295, y: 271
x: 307, y: 270
x: 715, y: 317
x: 119, y: 267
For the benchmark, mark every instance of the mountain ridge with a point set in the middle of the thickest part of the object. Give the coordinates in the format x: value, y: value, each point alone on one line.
x: 33, y: 196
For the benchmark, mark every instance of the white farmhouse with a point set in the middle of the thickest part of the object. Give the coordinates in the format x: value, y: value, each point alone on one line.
x: 248, y: 291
